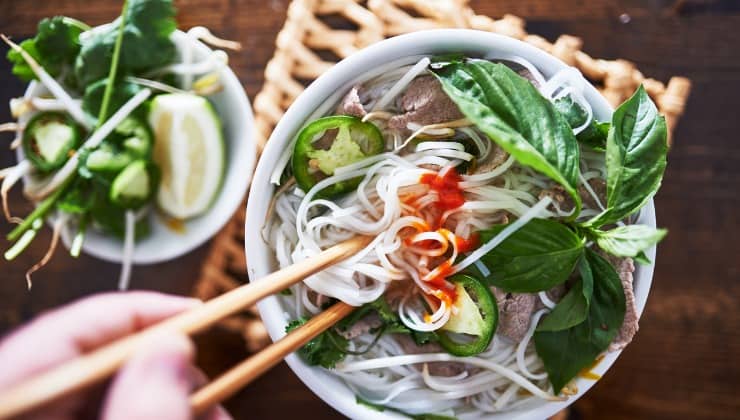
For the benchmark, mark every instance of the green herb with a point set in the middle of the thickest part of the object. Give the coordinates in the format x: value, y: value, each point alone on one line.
x: 110, y: 220
x: 537, y: 257
x: 326, y: 350
x: 629, y: 240
x: 595, y: 133
x: 146, y: 42
x: 566, y: 352
x: 635, y: 158
x: 512, y: 112
x: 642, y: 258
x: 122, y: 91
x: 79, y: 198
x: 103, y: 112
x: 573, y: 307
x: 54, y: 47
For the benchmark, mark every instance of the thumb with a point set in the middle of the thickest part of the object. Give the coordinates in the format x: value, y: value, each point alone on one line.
x: 155, y: 384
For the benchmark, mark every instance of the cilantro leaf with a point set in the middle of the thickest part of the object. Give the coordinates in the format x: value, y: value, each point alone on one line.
x: 55, y: 45
x: 122, y: 92
x: 146, y: 42
x: 325, y: 350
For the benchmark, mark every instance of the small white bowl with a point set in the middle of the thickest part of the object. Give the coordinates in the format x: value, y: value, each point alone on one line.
x: 323, y: 93
x: 164, y: 243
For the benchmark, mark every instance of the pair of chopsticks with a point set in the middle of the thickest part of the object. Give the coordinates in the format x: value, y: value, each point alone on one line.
x: 93, y: 367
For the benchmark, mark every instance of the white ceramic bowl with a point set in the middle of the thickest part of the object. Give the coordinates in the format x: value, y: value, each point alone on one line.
x: 322, y: 94
x: 163, y: 243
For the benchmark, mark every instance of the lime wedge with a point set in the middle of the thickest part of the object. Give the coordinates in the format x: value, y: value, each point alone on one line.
x: 189, y: 150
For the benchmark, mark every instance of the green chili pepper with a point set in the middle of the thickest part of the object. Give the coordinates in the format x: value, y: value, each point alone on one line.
x: 330, y: 143
x: 478, y: 295
x: 137, y: 137
x: 135, y: 185
x: 48, y: 139
x: 131, y: 140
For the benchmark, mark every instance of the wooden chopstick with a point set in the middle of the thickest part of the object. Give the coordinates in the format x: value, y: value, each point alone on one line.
x: 245, y: 372
x: 101, y: 363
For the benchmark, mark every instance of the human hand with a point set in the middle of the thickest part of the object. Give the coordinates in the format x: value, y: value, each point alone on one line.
x: 154, y: 384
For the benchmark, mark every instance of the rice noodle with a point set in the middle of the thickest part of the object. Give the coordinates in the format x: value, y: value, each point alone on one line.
x: 401, y: 84
x: 380, y: 363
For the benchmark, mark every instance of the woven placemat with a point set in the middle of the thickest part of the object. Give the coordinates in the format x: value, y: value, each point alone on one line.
x: 317, y: 33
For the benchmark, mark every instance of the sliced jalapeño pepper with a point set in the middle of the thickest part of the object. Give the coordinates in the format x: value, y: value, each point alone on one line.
x: 130, y: 140
x: 136, y: 137
x: 470, y: 330
x: 135, y: 185
x: 48, y: 139
x: 330, y: 143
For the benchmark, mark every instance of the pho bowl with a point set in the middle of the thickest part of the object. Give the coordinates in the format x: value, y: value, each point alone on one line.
x: 317, y: 99
x: 167, y: 239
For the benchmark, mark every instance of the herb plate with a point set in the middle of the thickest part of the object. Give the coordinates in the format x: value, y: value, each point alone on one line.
x: 313, y: 102
x: 166, y: 242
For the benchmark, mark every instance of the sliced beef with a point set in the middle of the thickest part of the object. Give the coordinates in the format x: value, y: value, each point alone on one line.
x: 560, y: 197
x: 363, y: 326
x: 351, y: 104
x: 599, y: 187
x: 625, y: 267
x: 424, y: 102
x: 409, y: 346
x: 495, y: 158
x: 521, y: 70
x: 514, y: 313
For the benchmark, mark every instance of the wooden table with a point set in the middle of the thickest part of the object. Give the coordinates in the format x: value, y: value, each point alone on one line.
x: 683, y: 363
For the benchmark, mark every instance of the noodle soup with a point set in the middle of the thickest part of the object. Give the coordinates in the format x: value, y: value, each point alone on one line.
x: 482, y: 178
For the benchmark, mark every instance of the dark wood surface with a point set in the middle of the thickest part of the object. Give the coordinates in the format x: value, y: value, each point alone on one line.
x: 684, y: 361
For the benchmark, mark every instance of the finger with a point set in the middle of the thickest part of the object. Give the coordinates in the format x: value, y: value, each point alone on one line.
x: 67, y: 332
x: 155, y: 384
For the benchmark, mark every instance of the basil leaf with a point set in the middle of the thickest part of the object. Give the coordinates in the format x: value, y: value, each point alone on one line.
x: 513, y: 113
x: 573, y: 308
x: 641, y: 258
x: 537, y: 257
x: 635, y: 158
x: 595, y: 133
x: 566, y: 352
x: 629, y: 240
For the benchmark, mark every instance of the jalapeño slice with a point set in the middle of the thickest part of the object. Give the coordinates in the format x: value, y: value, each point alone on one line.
x: 330, y: 143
